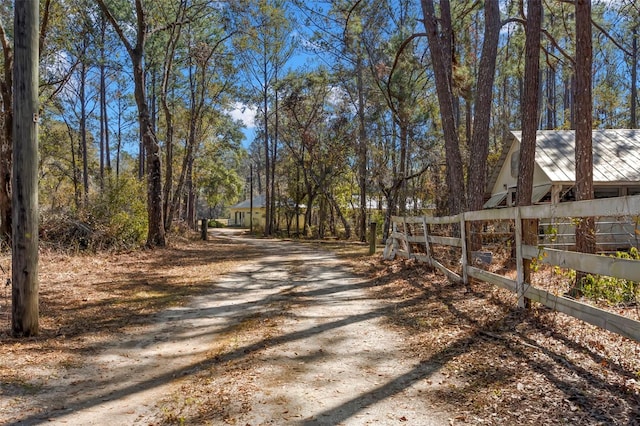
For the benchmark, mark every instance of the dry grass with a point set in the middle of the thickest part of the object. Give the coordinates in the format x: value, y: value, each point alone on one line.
x: 505, y: 365
x: 86, y: 301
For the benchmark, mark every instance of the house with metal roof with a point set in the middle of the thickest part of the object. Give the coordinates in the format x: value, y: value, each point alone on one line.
x: 240, y: 214
x: 616, y: 172
x: 616, y: 166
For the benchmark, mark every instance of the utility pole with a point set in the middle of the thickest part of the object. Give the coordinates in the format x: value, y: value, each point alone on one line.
x: 24, y: 255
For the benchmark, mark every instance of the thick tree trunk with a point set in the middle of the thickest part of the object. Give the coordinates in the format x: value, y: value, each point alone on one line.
x: 24, y: 265
x: 484, y: 97
x: 530, y: 103
x: 530, y: 111
x: 156, y: 232
x: 150, y: 148
x: 585, y: 230
x: 168, y: 206
x: 441, y: 48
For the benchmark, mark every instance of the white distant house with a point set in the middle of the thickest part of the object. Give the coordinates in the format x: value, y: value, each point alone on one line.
x: 241, y: 213
x: 616, y: 166
x: 616, y: 172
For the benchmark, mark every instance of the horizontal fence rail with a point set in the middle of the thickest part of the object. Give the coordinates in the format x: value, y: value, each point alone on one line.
x: 413, y: 238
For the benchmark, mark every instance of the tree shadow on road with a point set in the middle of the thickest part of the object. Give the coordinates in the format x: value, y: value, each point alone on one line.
x: 505, y: 364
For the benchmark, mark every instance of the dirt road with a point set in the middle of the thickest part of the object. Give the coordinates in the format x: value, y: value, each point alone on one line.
x: 290, y: 339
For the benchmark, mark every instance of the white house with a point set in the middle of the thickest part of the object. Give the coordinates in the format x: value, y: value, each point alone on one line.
x: 616, y: 166
x: 241, y: 213
x: 616, y: 172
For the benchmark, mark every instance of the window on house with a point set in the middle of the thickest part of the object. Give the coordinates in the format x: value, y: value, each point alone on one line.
x: 515, y: 160
x: 605, y: 192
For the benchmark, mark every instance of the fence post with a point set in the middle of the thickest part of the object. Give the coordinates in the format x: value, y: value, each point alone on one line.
x: 425, y: 231
x: 406, y: 236
x: 372, y: 237
x: 465, y: 248
x: 522, y: 272
x: 204, y: 227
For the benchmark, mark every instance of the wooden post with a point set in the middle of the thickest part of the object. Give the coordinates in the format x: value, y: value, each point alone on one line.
x: 530, y: 238
x: 523, y: 277
x: 372, y: 237
x: 24, y: 259
x: 425, y: 231
x: 465, y: 233
x: 519, y: 263
x: 406, y: 236
x: 204, y: 229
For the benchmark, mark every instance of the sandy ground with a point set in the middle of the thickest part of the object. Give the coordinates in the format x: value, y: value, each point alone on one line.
x: 326, y: 359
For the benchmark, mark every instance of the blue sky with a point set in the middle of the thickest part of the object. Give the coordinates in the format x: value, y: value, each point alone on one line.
x: 302, y: 58
x: 247, y: 115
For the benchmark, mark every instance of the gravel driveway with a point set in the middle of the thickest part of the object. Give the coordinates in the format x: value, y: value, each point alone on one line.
x: 329, y: 359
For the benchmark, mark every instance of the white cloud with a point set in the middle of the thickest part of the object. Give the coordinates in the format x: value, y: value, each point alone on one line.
x: 244, y: 113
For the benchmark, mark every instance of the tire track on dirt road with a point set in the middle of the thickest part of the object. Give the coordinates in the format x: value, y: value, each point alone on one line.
x: 330, y: 359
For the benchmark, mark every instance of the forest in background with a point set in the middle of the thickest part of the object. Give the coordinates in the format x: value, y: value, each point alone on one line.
x: 363, y: 109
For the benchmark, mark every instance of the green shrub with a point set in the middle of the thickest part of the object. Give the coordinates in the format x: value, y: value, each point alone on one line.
x: 215, y: 224
x: 615, y: 291
x: 120, y: 210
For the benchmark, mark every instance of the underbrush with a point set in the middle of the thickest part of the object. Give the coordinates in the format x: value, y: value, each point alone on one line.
x: 115, y: 218
x: 614, y: 291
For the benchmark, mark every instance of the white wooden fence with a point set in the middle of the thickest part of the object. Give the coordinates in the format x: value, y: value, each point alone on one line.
x: 402, y: 239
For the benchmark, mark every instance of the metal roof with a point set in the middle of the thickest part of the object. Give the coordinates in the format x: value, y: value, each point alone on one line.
x: 616, y: 154
x: 258, y: 202
x: 538, y: 193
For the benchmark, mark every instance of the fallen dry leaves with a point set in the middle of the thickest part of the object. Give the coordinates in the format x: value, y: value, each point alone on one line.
x: 500, y: 365
x: 88, y: 300
x: 505, y: 365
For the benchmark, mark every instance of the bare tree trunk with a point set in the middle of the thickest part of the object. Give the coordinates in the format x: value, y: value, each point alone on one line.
x: 530, y: 103
x: 274, y: 155
x: 174, y: 37
x: 191, y: 195
x: 6, y: 141
x: 83, y: 133
x: 267, y: 164
x: 530, y: 111
x: 585, y: 230
x: 149, y: 143
x: 362, y: 155
x: 634, y: 77
x: 119, y: 136
x: 105, y: 152
x: 441, y: 48
x: 24, y: 265
x: 74, y: 166
x: 479, y: 145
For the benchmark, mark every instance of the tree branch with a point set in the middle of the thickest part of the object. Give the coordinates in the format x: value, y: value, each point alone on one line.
x: 116, y: 26
x: 610, y: 37
x: 44, y: 26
